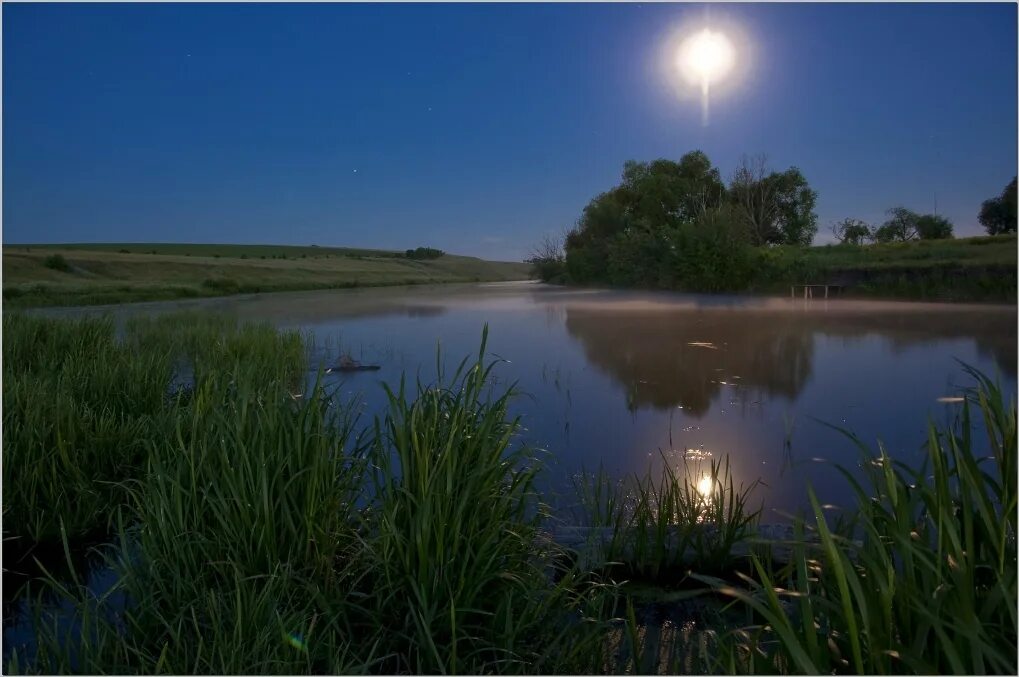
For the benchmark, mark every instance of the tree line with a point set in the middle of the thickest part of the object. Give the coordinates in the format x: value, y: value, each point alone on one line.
x: 678, y: 225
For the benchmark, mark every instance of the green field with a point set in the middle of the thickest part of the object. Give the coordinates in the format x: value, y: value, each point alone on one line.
x: 970, y: 251
x: 123, y: 272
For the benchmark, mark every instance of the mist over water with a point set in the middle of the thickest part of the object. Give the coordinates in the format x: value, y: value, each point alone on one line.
x: 631, y: 380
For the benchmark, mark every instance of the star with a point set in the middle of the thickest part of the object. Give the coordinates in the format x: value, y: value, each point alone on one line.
x: 355, y: 171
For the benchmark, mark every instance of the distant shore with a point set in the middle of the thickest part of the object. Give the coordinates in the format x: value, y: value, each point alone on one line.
x: 977, y: 269
x: 72, y: 275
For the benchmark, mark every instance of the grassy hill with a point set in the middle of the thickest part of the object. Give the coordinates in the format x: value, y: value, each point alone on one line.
x: 81, y: 274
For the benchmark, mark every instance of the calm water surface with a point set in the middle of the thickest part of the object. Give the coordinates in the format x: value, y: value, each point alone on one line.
x: 631, y: 380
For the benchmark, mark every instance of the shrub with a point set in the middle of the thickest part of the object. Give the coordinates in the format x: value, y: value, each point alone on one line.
x: 57, y: 262
x: 424, y: 253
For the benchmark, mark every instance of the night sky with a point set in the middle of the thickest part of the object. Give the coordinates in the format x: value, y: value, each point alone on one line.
x: 478, y: 128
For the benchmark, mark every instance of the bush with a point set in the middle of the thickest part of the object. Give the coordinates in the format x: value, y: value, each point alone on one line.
x: 422, y: 253
x: 57, y: 262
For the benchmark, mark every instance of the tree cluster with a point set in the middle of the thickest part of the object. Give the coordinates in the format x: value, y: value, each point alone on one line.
x: 678, y: 225
x: 903, y: 225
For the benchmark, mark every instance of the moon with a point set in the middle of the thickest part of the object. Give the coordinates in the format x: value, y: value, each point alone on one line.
x: 706, y: 57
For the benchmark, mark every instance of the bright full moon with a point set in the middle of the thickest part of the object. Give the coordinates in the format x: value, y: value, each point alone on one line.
x: 703, y: 58
x: 706, y: 56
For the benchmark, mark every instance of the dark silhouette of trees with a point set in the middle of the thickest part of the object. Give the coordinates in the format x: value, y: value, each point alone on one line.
x: 675, y: 224
x: 900, y: 226
x: 933, y: 227
x: 777, y: 207
x: 851, y: 231
x: 998, y: 215
x: 548, y: 258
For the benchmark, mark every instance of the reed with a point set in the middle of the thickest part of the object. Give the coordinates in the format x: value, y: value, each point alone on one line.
x: 658, y: 529
x: 922, y: 577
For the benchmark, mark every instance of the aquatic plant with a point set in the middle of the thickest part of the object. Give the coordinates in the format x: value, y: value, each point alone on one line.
x: 922, y: 576
x: 664, y: 527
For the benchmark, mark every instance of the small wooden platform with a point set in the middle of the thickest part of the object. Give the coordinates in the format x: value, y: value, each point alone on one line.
x: 808, y: 289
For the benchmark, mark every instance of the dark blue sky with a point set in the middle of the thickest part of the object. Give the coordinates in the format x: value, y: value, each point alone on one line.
x: 476, y: 128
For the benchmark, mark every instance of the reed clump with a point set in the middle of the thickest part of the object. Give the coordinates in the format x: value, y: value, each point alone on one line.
x: 83, y: 400
x: 659, y: 528
x: 921, y: 577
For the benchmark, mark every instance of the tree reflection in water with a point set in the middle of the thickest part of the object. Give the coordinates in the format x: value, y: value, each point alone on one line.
x: 688, y: 358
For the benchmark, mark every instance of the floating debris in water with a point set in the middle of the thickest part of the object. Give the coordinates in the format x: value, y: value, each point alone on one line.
x: 951, y: 399
x: 703, y: 344
x: 694, y: 454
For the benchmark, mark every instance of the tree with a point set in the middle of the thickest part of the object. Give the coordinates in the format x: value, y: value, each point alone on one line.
x: 933, y: 227
x: 900, y: 227
x: 998, y: 215
x: 548, y: 258
x: 627, y: 226
x: 777, y: 208
x: 851, y: 231
x: 664, y: 192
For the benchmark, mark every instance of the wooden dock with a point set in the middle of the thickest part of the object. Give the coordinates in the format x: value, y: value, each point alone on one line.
x: 808, y: 289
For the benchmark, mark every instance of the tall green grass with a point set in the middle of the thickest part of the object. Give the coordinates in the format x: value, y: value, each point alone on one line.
x: 657, y: 529
x: 81, y: 403
x: 458, y: 570
x: 921, y: 579
x: 266, y: 536
x: 233, y: 550
x: 77, y: 409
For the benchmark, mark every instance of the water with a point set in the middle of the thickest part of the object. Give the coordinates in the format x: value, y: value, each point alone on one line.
x: 628, y: 381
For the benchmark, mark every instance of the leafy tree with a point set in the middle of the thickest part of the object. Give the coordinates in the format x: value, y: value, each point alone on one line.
x: 625, y: 226
x: 851, y: 231
x: 664, y: 192
x: 713, y: 253
x: 998, y: 215
x: 776, y: 207
x: 900, y: 227
x: 933, y: 227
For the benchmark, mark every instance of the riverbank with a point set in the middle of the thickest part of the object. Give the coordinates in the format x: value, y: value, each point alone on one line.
x: 968, y: 269
x: 68, y: 275
x: 977, y: 269
x: 254, y: 528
